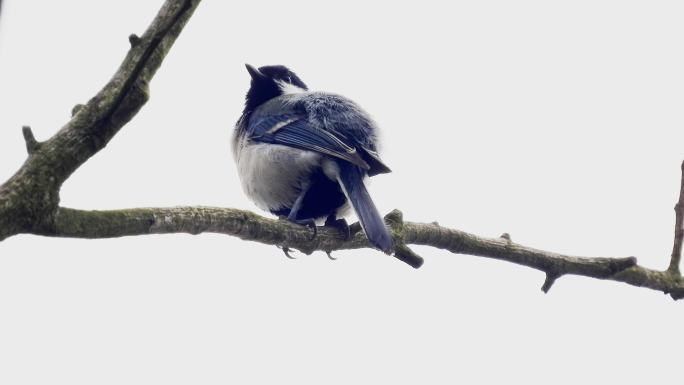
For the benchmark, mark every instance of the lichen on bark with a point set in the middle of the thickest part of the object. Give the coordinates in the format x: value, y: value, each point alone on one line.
x: 29, y: 200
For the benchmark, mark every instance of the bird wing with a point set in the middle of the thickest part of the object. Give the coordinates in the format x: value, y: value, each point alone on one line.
x: 294, y: 131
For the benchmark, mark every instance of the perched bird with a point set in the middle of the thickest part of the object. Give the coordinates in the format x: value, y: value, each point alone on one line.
x: 304, y: 155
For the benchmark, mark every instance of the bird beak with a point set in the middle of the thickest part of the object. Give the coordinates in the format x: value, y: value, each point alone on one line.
x: 253, y: 72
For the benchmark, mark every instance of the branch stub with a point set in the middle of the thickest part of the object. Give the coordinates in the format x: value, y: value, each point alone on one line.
x: 32, y: 145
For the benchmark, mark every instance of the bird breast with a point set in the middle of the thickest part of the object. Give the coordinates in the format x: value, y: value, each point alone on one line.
x: 274, y: 175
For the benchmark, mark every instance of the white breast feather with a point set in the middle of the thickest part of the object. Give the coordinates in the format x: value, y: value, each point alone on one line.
x: 274, y: 175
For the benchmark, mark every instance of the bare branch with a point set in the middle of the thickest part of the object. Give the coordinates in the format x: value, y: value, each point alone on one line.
x: 76, y: 109
x: 31, y: 142
x: 134, y: 39
x: 95, y: 123
x: 29, y: 200
x: 252, y: 227
x: 679, y: 230
x: 549, y: 281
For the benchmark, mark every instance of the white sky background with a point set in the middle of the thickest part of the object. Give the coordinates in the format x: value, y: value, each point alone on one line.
x: 558, y: 122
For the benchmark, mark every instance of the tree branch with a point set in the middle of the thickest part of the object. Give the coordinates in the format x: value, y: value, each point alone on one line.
x: 252, y: 227
x: 679, y: 230
x: 29, y: 200
x: 31, y: 142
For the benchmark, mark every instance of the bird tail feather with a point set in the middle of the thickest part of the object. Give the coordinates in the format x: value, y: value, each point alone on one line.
x: 351, y: 180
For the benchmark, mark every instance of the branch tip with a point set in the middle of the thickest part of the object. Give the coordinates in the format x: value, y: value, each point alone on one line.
x: 676, y: 294
x: 406, y: 255
x: 676, y: 255
x: 395, y: 220
x: 551, y: 278
x: 32, y: 144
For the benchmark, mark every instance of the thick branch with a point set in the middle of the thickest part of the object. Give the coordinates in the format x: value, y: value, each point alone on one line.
x: 249, y: 226
x: 96, y: 122
x: 679, y: 230
x: 29, y: 199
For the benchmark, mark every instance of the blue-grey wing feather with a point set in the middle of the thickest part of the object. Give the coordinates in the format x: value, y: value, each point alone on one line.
x: 325, y: 123
x: 299, y: 134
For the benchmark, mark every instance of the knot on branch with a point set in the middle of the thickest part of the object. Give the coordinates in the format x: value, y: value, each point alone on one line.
x: 395, y: 221
x: 32, y: 145
x: 76, y: 109
x: 618, y: 265
x: 606, y: 268
x: 134, y: 40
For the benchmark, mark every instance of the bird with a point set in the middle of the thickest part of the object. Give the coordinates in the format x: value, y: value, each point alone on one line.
x: 305, y: 155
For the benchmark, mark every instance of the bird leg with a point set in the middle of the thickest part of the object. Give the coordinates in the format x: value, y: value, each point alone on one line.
x: 292, y: 217
x: 339, y: 224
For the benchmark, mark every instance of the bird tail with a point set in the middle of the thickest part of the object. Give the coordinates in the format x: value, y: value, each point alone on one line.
x: 351, y: 179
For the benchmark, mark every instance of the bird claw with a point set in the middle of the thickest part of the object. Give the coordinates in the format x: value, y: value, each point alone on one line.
x: 330, y: 256
x: 310, y: 223
x: 287, y: 250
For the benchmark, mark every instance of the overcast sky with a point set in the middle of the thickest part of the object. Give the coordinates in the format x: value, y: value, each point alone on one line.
x: 560, y: 123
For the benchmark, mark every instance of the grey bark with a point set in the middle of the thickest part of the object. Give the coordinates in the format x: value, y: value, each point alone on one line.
x: 29, y: 200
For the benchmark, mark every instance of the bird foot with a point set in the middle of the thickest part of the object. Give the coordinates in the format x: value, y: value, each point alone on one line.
x: 287, y: 251
x: 330, y: 256
x: 310, y: 223
x: 339, y: 224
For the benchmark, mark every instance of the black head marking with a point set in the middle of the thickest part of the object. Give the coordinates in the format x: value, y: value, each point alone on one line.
x: 266, y: 84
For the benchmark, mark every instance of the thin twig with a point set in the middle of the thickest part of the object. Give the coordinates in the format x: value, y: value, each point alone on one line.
x: 29, y: 200
x: 31, y: 143
x: 679, y: 230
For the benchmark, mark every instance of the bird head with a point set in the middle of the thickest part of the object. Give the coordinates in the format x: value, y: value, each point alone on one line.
x: 269, y: 82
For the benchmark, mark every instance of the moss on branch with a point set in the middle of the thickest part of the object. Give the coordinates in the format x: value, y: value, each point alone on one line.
x: 29, y: 200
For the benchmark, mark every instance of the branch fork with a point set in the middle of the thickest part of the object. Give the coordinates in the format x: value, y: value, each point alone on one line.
x: 32, y: 145
x: 395, y: 220
x: 29, y: 200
